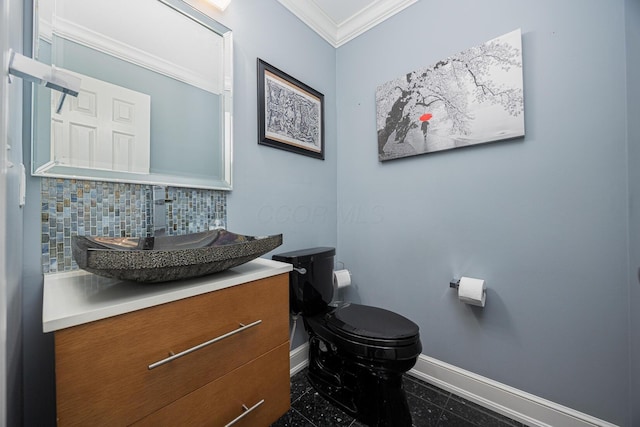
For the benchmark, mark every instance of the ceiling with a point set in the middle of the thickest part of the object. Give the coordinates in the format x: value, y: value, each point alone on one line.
x: 339, y: 21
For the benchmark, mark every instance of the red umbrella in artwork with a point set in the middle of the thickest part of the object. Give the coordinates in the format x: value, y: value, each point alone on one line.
x: 425, y: 124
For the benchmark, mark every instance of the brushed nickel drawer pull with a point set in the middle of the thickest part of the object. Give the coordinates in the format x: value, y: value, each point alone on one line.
x: 245, y: 413
x: 204, y: 344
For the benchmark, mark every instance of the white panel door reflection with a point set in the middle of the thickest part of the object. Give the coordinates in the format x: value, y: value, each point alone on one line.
x: 105, y: 127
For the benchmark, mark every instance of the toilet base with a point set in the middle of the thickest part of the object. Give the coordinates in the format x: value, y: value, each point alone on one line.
x: 369, y: 392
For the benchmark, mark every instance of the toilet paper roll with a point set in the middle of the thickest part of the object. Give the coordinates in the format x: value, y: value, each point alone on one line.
x: 472, y: 291
x: 341, y: 279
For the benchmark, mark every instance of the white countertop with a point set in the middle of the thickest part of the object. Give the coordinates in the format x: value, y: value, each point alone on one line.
x: 77, y: 297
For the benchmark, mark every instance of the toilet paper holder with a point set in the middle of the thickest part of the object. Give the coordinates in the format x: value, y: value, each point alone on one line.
x: 455, y: 283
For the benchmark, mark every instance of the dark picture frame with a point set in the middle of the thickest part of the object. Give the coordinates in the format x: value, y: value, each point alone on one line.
x: 290, y: 113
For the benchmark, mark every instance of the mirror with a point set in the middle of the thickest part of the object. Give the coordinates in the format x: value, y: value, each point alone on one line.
x: 155, y: 105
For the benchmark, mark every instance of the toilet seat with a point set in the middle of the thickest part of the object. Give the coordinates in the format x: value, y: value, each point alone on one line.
x: 372, y: 325
x: 370, y: 332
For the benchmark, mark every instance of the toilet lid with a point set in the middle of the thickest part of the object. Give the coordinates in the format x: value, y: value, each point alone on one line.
x: 376, y: 324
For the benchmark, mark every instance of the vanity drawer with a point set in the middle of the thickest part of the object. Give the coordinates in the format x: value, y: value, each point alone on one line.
x: 102, y: 368
x: 265, y: 379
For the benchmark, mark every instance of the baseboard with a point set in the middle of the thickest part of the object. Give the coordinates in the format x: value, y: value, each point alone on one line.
x: 511, y: 402
x: 298, y: 359
x: 501, y: 398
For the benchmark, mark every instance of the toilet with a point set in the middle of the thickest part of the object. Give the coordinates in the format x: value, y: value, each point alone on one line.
x: 357, y: 353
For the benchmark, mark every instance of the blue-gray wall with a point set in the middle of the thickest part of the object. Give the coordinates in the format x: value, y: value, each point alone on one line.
x: 633, y: 128
x: 276, y: 191
x: 38, y: 406
x: 11, y: 37
x: 543, y: 219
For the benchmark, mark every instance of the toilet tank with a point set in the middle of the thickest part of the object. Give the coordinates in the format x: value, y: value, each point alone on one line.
x: 311, y: 281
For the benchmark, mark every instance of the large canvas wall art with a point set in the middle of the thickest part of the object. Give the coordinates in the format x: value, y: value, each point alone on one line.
x: 470, y: 98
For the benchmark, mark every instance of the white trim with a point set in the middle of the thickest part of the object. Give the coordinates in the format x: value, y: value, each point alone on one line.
x: 298, y: 359
x: 338, y: 34
x: 501, y: 398
x: 511, y: 402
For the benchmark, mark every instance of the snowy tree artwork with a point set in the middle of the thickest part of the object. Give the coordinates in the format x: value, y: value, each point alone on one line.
x: 469, y: 98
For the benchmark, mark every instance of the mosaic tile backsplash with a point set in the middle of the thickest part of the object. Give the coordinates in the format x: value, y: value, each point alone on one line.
x: 94, y: 208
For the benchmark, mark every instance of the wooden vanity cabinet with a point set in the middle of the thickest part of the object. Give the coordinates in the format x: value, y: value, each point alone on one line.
x: 103, y: 374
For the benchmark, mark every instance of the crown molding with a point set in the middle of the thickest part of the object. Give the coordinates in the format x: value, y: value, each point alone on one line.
x: 101, y: 43
x: 340, y: 33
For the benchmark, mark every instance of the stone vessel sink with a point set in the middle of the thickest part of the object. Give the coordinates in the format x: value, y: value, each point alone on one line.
x: 165, y: 258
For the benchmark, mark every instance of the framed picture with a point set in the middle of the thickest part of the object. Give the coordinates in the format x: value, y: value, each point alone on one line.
x: 470, y: 98
x: 290, y: 113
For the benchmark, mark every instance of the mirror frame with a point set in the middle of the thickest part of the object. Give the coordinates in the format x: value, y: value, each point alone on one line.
x: 49, y: 170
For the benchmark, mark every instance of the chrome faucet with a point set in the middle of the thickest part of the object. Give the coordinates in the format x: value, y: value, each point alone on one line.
x: 159, y: 211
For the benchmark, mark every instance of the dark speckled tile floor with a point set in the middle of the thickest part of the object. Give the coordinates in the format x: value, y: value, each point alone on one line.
x: 430, y: 407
